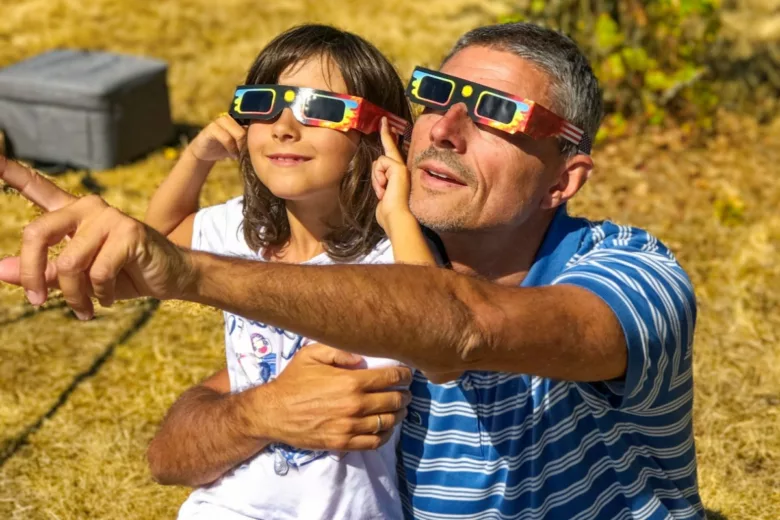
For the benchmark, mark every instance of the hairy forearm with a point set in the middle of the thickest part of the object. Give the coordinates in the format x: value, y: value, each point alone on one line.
x: 204, y: 434
x: 177, y: 196
x: 431, y: 318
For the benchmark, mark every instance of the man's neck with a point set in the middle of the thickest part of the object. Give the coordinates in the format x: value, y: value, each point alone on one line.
x: 501, y: 255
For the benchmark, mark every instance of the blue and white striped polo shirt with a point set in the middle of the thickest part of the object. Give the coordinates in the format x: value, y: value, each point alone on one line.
x: 513, y: 446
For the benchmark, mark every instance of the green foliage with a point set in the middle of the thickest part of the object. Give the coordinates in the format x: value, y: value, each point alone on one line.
x: 650, y: 56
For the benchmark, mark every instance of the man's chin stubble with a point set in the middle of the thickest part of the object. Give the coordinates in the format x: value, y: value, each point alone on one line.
x: 440, y: 223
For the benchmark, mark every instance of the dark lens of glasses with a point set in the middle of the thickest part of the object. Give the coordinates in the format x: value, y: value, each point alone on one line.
x: 259, y: 101
x: 434, y: 89
x: 326, y: 109
x: 496, y: 108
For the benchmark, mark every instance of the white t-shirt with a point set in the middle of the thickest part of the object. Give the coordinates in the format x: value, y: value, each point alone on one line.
x: 281, y: 482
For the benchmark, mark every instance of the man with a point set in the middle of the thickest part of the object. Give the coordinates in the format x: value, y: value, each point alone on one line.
x: 574, y: 337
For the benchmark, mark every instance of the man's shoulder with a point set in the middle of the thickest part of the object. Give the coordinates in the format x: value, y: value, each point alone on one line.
x: 628, y: 256
x: 606, y: 236
x: 626, y: 262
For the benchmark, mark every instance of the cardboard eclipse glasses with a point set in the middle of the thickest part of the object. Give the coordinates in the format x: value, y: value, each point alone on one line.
x: 429, y: 88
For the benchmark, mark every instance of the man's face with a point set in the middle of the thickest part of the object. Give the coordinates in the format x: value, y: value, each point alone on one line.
x: 467, y: 176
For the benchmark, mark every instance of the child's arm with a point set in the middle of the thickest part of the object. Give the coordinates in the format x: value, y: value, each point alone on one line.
x: 174, y: 204
x: 392, y: 185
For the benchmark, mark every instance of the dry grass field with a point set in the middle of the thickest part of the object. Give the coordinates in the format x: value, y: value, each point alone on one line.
x: 80, y: 401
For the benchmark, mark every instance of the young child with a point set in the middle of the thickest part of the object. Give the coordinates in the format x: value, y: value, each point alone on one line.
x: 309, y: 197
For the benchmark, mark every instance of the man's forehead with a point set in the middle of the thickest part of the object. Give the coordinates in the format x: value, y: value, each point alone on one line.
x: 501, y: 70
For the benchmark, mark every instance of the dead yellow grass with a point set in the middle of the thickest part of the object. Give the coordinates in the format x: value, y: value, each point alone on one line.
x: 716, y: 206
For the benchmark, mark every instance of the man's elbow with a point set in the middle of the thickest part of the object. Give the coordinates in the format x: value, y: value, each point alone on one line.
x: 157, y: 465
x: 162, y: 468
x: 481, y: 333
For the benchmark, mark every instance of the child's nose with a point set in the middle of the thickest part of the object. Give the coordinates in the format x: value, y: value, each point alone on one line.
x: 286, y: 127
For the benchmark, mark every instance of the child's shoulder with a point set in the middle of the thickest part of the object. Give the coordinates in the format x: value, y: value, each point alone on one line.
x: 218, y: 228
x: 234, y: 206
x: 381, y: 254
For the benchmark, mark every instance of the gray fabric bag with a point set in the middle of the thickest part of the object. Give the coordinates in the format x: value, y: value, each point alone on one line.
x: 87, y: 109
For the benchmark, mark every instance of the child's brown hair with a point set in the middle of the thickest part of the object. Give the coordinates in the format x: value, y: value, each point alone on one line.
x: 368, y: 74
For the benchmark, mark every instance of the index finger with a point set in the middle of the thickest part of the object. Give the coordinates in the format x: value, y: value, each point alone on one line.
x: 33, y: 186
x: 388, y: 142
x: 235, y: 130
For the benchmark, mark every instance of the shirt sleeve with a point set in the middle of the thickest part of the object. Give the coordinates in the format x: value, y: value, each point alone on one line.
x: 654, y: 302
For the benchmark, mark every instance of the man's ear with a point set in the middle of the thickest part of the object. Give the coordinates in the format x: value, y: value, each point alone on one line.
x: 571, y: 176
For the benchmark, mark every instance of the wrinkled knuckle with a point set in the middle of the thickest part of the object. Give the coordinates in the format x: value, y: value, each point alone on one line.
x: 73, y: 302
x: 67, y: 264
x: 353, y: 408
x: 349, y: 427
x: 341, y: 443
x: 351, y: 385
x: 32, y: 233
x: 394, y: 377
x: 93, y: 201
x: 36, y: 179
x: 99, y: 276
x: 134, y: 229
x: 111, y: 212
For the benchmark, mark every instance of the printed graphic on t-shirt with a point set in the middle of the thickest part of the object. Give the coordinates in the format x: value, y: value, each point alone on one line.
x: 261, y: 352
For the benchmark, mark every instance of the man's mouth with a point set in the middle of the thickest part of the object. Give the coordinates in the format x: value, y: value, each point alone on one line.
x: 436, y: 175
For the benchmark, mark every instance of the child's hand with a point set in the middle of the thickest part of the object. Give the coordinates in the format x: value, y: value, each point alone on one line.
x: 391, y: 181
x: 223, y: 138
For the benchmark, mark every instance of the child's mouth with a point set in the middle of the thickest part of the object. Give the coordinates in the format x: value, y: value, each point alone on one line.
x: 287, y: 159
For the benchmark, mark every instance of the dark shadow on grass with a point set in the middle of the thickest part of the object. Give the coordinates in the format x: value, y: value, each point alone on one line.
x: 31, y: 311
x: 9, y: 448
x: 715, y: 515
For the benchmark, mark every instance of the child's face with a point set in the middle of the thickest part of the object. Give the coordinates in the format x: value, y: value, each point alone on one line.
x: 298, y: 162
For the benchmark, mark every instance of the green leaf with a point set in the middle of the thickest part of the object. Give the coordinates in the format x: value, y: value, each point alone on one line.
x: 511, y: 18
x: 657, y: 81
x: 613, y: 70
x: 608, y: 35
x: 635, y: 58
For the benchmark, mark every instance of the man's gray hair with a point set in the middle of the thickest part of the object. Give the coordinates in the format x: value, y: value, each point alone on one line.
x: 575, y: 89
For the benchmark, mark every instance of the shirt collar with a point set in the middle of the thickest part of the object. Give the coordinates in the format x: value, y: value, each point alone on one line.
x: 561, y: 242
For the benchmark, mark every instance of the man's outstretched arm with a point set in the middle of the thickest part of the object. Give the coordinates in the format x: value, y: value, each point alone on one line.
x: 430, y: 318
x: 433, y: 319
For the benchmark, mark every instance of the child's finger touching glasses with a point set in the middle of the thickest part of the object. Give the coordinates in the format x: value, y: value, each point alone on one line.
x: 389, y: 142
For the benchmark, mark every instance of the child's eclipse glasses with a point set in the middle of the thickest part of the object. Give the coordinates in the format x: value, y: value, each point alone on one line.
x: 313, y: 108
x: 492, y: 107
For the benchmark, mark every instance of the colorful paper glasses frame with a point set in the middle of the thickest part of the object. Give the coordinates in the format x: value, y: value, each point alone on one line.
x: 492, y: 107
x: 313, y: 108
x: 429, y: 88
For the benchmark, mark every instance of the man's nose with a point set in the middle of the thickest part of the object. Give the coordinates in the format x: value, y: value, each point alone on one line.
x: 450, y: 131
